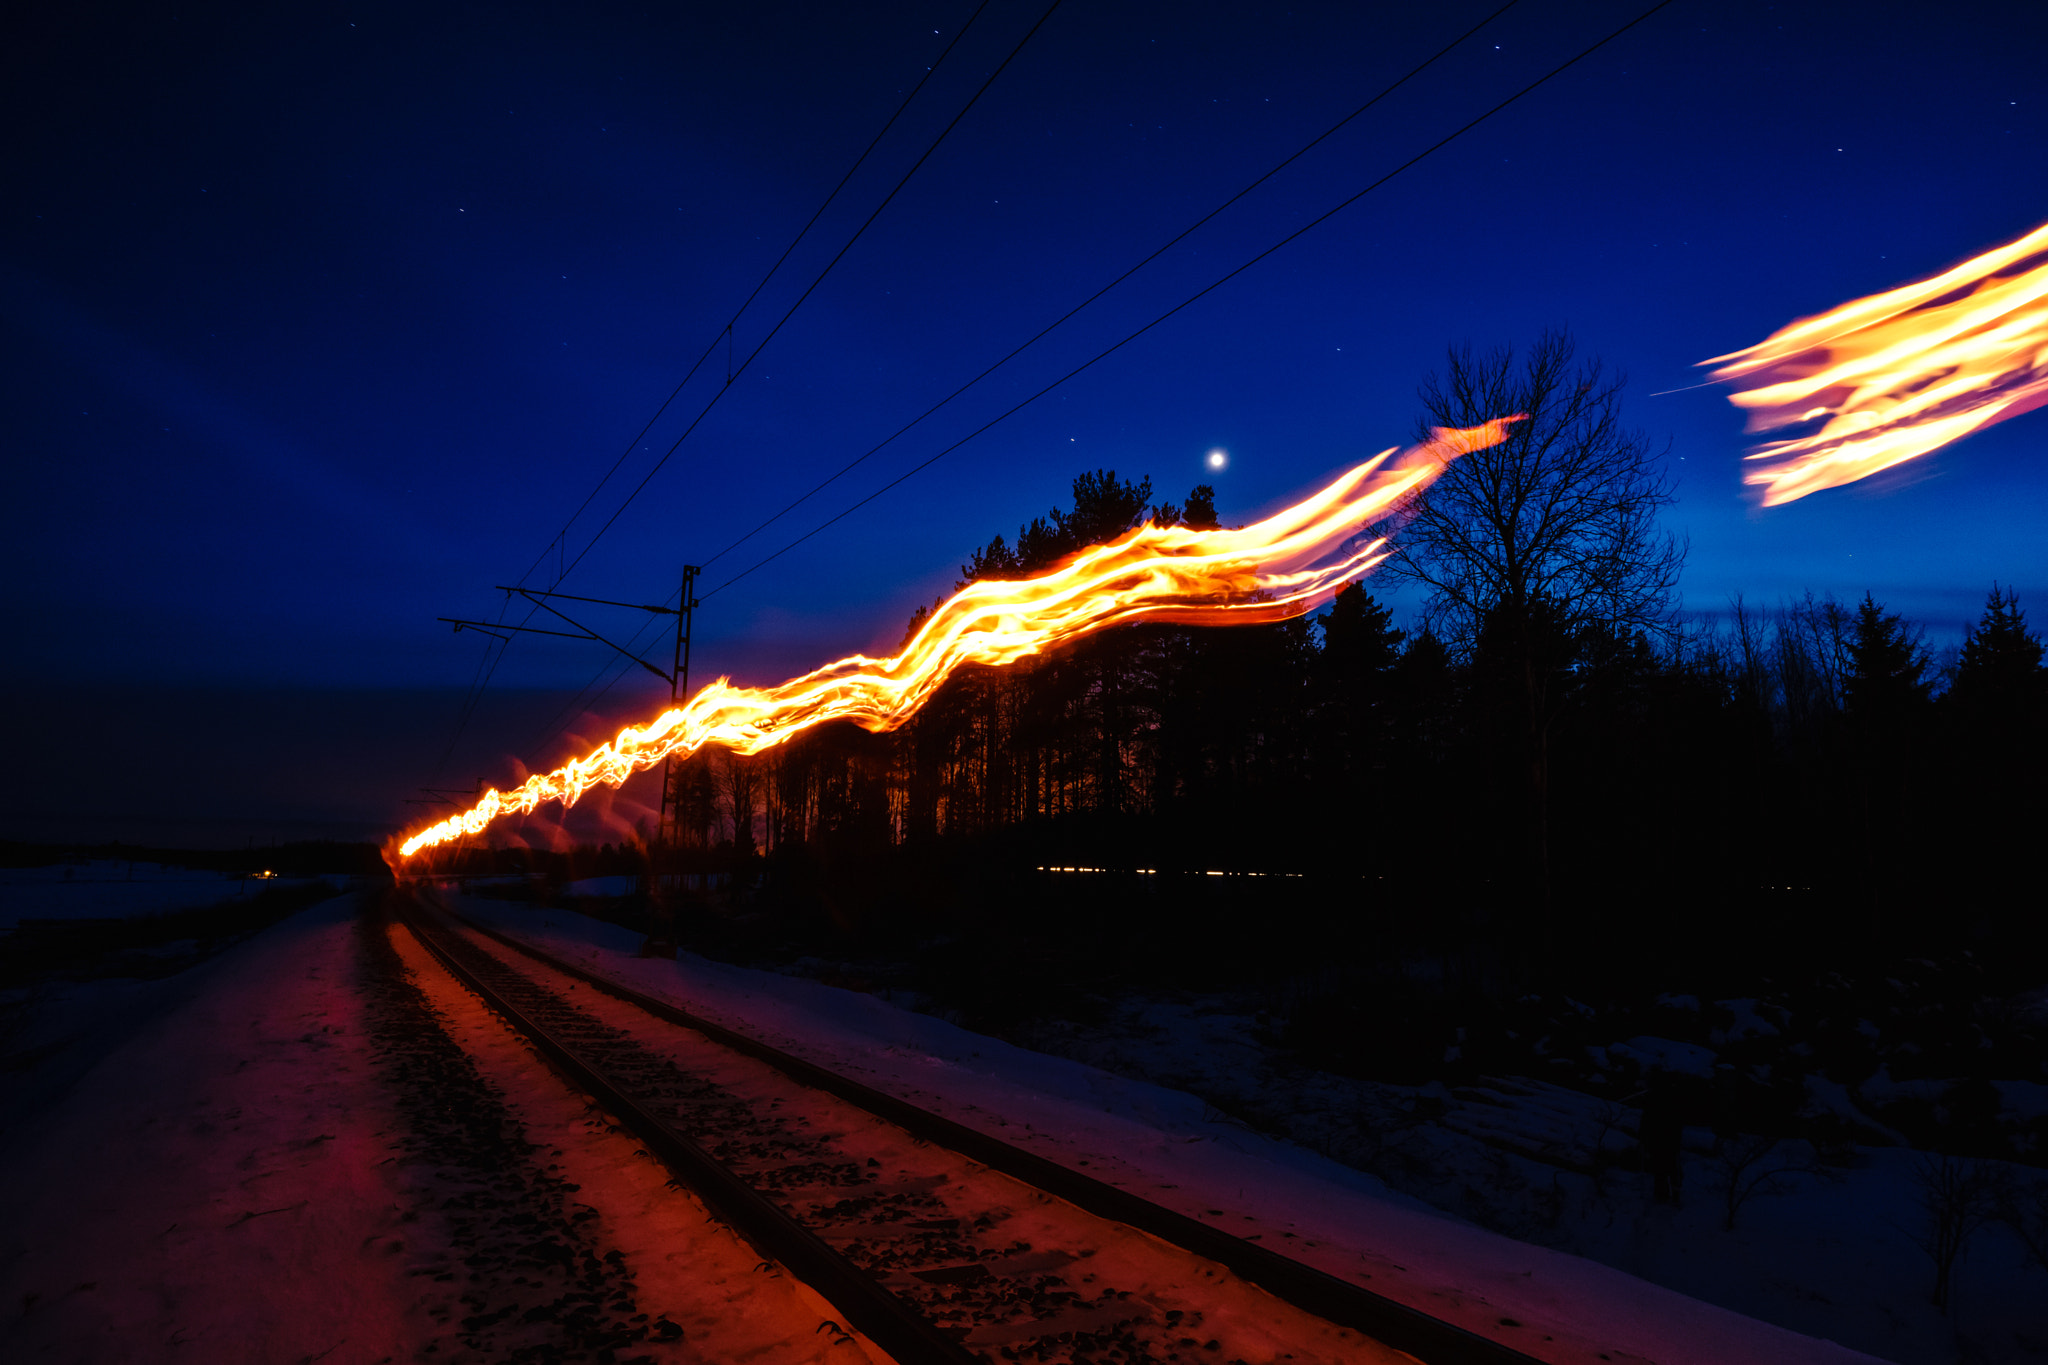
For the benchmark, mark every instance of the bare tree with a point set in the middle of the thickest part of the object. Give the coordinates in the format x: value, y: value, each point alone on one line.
x: 693, y: 788
x: 1752, y: 664
x: 741, y: 779
x: 2022, y: 1205
x: 1813, y: 659
x: 1758, y: 1164
x: 1956, y: 1196
x: 1611, y: 1117
x: 1539, y: 542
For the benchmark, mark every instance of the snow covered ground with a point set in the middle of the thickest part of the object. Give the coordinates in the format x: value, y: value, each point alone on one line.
x: 1182, y: 1150
x: 211, y: 1189
x: 239, y: 1087
x: 74, y: 989
x: 1833, y: 1256
x: 109, y: 889
x: 230, y: 1183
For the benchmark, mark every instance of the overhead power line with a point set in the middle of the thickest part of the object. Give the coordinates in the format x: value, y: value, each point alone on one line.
x: 488, y: 665
x: 480, y: 683
x: 1206, y: 290
x: 582, y: 701
x: 887, y: 199
x: 583, y: 697
x: 741, y: 368
x: 724, y: 334
x: 1163, y: 248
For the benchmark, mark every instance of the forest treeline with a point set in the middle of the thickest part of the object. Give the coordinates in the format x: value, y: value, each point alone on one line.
x: 1550, y: 771
x: 1806, y: 771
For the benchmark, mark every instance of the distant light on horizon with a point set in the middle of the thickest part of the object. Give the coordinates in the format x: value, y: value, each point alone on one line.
x: 1218, y: 458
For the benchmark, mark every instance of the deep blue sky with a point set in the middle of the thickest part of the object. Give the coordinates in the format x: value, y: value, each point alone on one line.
x: 320, y: 322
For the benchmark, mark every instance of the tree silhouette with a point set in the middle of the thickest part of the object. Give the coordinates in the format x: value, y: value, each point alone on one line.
x: 1999, y: 675
x: 1360, y: 643
x: 1888, y: 684
x: 1527, y: 544
x: 694, y: 792
x: 740, y: 776
x: 1350, y: 747
x: 1886, y: 707
x: 1382, y: 765
x: 1997, y: 731
x: 1104, y: 508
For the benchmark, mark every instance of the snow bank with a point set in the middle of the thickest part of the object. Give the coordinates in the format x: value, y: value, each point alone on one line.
x: 1175, y: 1149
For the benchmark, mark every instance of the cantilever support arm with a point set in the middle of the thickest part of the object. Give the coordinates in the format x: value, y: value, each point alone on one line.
x: 589, y: 634
x: 491, y: 628
x: 600, y: 601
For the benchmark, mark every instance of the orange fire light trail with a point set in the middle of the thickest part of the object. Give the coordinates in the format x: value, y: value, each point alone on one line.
x: 1269, y: 571
x: 1898, y: 374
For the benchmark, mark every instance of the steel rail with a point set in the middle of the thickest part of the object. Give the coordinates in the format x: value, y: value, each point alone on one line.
x: 1335, y: 1300
x: 897, y: 1327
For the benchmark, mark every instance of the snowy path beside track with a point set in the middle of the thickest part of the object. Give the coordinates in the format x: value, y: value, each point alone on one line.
x: 244, y: 1180
x: 1169, y: 1147
x: 1016, y: 1271
x: 212, y: 1189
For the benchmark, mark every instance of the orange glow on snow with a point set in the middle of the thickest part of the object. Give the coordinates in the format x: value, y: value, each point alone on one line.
x: 1897, y: 374
x: 1293, y: 559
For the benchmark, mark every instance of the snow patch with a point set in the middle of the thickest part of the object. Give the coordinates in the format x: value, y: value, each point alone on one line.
x: 1663, y: 1054
x: 603, y: 886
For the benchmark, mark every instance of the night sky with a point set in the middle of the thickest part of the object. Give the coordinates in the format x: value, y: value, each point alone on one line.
x: 319, y: 322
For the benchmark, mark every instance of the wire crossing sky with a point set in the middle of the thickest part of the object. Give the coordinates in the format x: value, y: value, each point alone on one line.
x: 734, y: 371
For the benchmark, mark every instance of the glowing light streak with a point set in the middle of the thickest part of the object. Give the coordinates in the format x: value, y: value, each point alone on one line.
x: 1277, y: 568
x: 1897, y: 374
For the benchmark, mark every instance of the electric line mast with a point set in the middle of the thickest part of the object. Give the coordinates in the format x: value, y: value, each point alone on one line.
x: 678, y: 690
x: 677, y: 676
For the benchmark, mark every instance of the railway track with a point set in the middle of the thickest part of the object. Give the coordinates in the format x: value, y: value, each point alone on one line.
x: 935, y: 1241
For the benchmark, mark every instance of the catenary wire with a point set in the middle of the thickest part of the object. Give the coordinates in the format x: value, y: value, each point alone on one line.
x: 581, y: 701
x: 559, y: 721
x: 857, y: 233
x: 479, y: 684
x: 462, y: 716
x: 1187, y: 302
x: 820, y: 279
x: 1065, y: 317
x: 725, y: 333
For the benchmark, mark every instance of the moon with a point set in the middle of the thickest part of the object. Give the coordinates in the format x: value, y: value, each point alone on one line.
x: 1218, y: 458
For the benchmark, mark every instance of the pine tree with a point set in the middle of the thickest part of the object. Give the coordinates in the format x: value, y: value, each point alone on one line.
x: 1999, y: 677
x: 1997, y: 709
x: 1359, y: 640
x: 1888, y: 683
x: 1886, y: 706
x: 1352, y: 727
